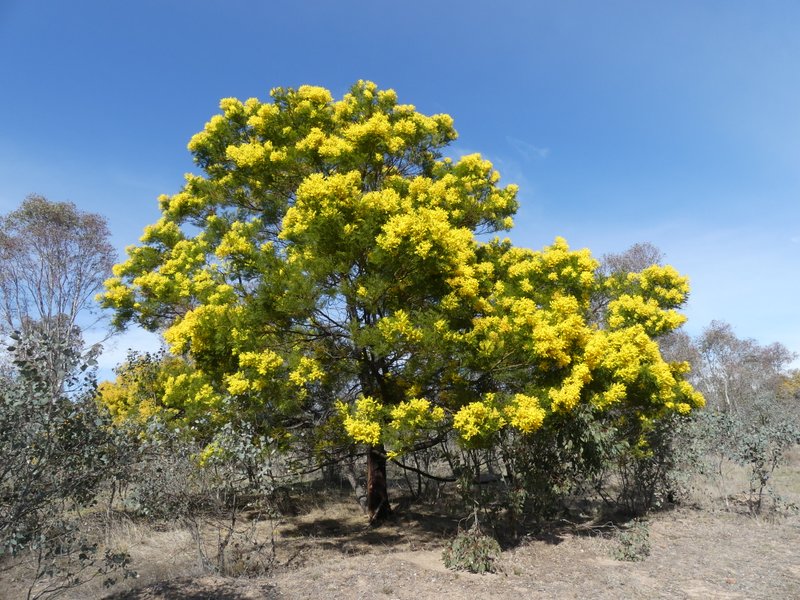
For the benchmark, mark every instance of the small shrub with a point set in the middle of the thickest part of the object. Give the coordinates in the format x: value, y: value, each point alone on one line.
x: 649, y: 465
x: 758, y: 440
x: 472, y: 551
x: 634, y: 543
x: 56, y: 447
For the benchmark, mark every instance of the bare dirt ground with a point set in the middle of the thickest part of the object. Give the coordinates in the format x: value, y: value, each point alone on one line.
x: 705, y: 550
x: 694, y: 554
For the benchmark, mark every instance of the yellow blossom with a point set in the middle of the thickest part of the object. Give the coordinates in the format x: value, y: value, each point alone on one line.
x: 524, y: 413
x: 478, y: 420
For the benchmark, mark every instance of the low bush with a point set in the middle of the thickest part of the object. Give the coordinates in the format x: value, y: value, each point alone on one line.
x: 633, y: 544
x: 57, y: 448
x: 473, y: 551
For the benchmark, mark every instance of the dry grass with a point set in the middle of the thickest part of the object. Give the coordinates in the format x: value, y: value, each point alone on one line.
x: 703, y: 550
x: 728, y: 488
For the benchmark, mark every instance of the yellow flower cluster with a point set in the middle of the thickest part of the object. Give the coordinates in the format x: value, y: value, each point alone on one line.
x: 207, y: 454
x: 203, y: 329
x: 195, y: 395
x: 477, y: 421
x: 628, y: 310
x: 265, y: 362
x: 238, y: 383
x: 213, y: 128
x: 692, y: 398
x: 321, y: 196
x: 622, y: 352
x: 554, y: 268
x: 615, y: 393
x: 249, y: 154
x: 163, y: 232
x: 328, y: 146
x: 568, y: 395
x: 415, y: 414
x: 308, y: 370
x: 376, y: 126
x: 125, y: 403
x: 363, y: 424
x: 399, y: 328
x: 238, y: 240
x: 315, y: 93
x: 524, y: 413
x: 631, y: 357
x: 256, y: 371
x: 116, y: 293
x: 189, y: 201
x: 664, y: 284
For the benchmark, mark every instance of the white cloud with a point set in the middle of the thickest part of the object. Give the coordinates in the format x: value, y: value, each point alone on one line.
x: 528, y: 151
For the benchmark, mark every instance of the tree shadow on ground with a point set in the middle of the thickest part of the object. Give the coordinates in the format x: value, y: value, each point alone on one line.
x: 341, y: 526
x: 184, y: 588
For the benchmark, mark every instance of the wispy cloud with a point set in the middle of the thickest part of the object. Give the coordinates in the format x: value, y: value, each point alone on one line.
x: 527, y: 150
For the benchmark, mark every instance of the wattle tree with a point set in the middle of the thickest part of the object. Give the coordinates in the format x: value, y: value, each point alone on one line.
x: 329, y: 260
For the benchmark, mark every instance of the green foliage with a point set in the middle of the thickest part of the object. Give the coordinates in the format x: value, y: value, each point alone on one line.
x: 561, y: 460
x: 633, y: 543
x: 591, y: 451
x: 57, y: 450
x: 171, y: 478
x: 238, y: 446
x: 164, y: 483
x: 752, y: 417
x: 758, y: 441
x: 762, y: 450
x: 472, y: 551
x: 646, y: 468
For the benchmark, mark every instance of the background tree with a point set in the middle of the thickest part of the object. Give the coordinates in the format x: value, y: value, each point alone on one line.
x: 53, y: 261
x: 751, y: 417
x: 326, y: 267
x: 633, y: 260
x: 733, y: 372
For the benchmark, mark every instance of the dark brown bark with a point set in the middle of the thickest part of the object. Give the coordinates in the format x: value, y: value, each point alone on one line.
x: 377, y: 493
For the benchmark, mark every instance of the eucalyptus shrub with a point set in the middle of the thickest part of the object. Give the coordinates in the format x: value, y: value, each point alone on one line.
x: 57, y: 447
x: 648, y: 467
x: 164, y: 483
x: 589, y: 453
x: 238, y: 472
x: 757, y: 440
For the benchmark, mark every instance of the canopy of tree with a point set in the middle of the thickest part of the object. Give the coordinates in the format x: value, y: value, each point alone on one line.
x: 54, y: 259
x: 326, y: 270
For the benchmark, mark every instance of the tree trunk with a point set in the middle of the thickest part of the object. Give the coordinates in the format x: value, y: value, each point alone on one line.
x: 377, y: 494
x: 358, y: 489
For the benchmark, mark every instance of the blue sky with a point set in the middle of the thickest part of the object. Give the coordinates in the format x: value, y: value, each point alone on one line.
x: 671, y: 122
